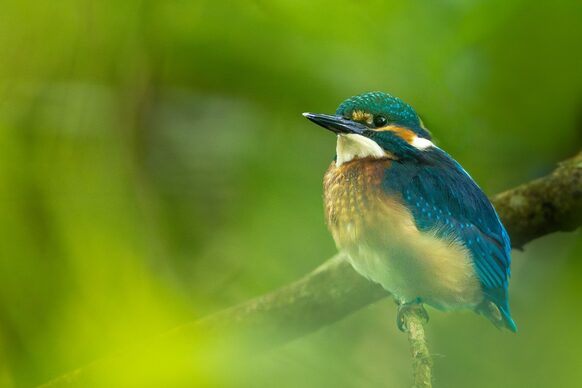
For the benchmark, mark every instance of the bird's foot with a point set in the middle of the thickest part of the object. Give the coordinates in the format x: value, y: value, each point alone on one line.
x: 405, y: 309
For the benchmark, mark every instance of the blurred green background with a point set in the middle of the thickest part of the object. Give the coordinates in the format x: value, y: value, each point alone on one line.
x: 155, y: 168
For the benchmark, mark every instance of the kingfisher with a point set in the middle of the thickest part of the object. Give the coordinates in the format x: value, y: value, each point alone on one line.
x: 409, y: 217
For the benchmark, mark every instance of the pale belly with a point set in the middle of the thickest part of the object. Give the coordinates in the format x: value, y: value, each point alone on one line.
x: 435, y: 273
x: 383, y: 244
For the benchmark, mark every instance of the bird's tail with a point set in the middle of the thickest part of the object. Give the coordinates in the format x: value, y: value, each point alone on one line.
x: 498, y: 314
x: 507, y: 320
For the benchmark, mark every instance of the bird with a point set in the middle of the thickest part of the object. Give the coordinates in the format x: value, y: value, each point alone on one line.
x: 409, y: 217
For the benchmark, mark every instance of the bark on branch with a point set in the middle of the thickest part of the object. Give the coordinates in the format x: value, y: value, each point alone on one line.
x: 421, y: 359
x: 334, y: 290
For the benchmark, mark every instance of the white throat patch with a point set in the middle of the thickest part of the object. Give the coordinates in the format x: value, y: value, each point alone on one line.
x: 352, y: 146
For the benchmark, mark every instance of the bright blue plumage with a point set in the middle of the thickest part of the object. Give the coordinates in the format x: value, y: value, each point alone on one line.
x: 445, y: 199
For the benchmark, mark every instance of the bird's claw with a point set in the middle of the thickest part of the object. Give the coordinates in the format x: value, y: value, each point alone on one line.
x: 410, y: 308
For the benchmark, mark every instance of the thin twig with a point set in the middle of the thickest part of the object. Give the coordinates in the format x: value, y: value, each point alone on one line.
x: 421, y: 359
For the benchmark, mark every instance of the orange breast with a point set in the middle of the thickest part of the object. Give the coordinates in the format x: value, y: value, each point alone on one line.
x: 384, y: 245
x: 354, y: 199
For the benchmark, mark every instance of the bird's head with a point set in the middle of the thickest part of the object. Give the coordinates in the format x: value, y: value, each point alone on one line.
x: 375, y: 125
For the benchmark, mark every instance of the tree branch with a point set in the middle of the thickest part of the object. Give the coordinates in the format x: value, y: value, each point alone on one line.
x: 543, y: 206
x: 334, y: 290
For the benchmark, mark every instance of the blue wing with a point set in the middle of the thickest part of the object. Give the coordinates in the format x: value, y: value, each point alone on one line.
x: 445, y: 199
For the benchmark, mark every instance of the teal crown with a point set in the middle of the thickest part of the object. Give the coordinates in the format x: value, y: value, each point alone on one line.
x: 396, y: 111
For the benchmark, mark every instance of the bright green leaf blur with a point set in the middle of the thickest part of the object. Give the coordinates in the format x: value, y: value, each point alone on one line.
x: 155, y: 167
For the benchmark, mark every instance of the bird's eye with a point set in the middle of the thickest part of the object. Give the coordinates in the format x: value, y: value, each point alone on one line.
x: 380, y: 121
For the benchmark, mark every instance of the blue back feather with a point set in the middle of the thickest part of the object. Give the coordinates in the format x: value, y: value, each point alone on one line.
x: 443, y: 198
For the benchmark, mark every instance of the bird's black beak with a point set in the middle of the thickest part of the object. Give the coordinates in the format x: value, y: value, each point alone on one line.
x: 336, y: 124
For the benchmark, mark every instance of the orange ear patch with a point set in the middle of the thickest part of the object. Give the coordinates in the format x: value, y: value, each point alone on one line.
x: 404, y: 133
